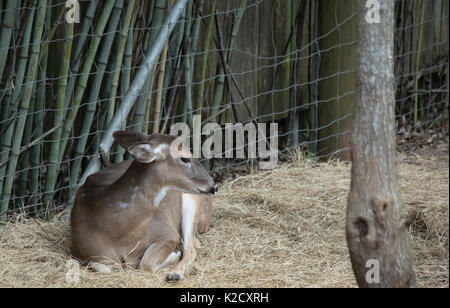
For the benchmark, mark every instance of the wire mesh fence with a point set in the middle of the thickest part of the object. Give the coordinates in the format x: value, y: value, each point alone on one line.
x: 66, y: 67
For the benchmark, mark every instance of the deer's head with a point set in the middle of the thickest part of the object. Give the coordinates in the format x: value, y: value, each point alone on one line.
x: 163, y: 155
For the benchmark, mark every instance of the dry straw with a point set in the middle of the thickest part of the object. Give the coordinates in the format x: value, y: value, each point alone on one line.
x: 281, y: 228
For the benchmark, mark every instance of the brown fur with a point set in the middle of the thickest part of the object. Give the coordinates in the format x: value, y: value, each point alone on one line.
x: 114, y: 218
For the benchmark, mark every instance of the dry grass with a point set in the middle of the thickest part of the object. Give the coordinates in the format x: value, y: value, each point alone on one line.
x: 282, y: 228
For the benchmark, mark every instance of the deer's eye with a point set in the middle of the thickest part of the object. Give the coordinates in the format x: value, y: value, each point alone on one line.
x: 185, y: 160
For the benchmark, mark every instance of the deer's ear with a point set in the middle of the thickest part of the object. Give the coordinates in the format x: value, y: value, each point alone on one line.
x: 129, y: 138
x: 145, y: 153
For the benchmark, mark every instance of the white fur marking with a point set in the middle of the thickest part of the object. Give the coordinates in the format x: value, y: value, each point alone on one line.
x: 159, y: 148
x: 100, y: 268
x: 161, y: 195
x: 172, y: 258
x: 187, y: 220
x: 139, y: 152
x: 122, y: 205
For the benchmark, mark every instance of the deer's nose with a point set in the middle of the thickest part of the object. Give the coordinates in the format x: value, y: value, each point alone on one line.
x: 214, y: 189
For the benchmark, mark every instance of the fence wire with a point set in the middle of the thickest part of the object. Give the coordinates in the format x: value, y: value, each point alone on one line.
x: 250, y: 61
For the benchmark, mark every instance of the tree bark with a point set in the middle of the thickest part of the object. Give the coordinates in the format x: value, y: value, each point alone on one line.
x: 376, y: 231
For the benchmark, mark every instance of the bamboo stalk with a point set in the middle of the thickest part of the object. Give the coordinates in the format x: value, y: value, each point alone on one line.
x: 123, y: 58
x: 59, y: 147
x: 172, y: 98
x: 94, y: 94
x: 21, y: 69
x: 19, y: 18
x: 76, y: 62
x: 5, y: 117
x: 201, y: 87
x: 13, y: 100
x: 175, y: 58
x: 124, y: 85
x: 51, y: 33
x: 7, y: 28
x: 159, y: 93
x: 137, y: 84
x: 25, y: 160
x: 218, y: 92
x: 160, y: 90
x: 31, y: 73
x: 187, y: 104
x: 39, y: 119
x: 1, y: 10
x: 190, y: 65
x: 6, y: 134
x: 126, y: 66
x: 157, y: 21
x: 149, y: 98
x: 34, y: 142
x: 54, y: 162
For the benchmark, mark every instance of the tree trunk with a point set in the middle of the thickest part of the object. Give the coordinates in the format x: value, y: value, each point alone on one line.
x: 379, y: 244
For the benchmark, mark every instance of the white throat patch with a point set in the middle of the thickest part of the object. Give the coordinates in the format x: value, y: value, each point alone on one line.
x: 161, y: 195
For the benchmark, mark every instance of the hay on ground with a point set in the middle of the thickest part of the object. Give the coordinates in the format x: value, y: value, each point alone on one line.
x: 280, y: 228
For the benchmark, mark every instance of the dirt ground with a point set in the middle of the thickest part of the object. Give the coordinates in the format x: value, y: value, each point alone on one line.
x: 280, y: 228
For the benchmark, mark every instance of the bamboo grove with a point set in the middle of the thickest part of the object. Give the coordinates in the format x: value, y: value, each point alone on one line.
x: 62, y: 83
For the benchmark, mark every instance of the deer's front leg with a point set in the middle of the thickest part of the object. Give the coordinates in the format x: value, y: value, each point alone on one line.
x: 188, y: 228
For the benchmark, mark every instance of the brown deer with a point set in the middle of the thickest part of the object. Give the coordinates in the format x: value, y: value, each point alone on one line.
x: 137, y: 212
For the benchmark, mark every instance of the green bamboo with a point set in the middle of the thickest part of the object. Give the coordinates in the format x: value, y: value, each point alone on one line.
x: 21, y: 69
x: 126, y: 65
x: 71, y: 115
x: 173, y: 64
x: 51, y: 32
x: 189, y: 62
x: 25, y: 160
x: 124, y: 85
x: 157, y: 112
x: 157, y: 21
x: 161, y: 77
x: 119, y: 61
x: 148, y: 105
x: 18, y: 19
x: 54, y: 160
x: 18, y: 133
x: 94, y: 94
x: 5, y: 117
x: 201, y: 87
x: 7, y: 28
x: 77, y: 54
x: 13, y: 101
x: 38, y: 120
x: 218, y: 92
x: 203, y: 67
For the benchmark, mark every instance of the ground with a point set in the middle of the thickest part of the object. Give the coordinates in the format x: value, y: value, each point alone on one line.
x: 280, y: 228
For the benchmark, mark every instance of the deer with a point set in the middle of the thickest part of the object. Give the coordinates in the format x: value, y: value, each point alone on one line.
x: 138, y: 212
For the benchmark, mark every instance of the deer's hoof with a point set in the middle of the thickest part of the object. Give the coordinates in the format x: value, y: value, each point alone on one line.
x: 173, y: 277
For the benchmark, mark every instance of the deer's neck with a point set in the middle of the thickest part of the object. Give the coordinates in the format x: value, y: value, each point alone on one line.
x: 141, y: 187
